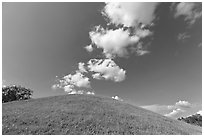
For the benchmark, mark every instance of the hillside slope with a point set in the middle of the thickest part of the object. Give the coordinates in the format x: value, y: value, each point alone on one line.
x: 86, y: 114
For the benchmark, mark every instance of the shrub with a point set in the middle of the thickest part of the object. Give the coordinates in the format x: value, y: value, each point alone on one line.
x: 195, y: 119
x: 13, y: 93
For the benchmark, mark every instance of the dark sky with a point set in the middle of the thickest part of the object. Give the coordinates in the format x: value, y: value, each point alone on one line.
x: 44, y: 40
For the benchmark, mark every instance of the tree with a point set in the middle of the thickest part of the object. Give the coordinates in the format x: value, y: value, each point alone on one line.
x: 13, y: 93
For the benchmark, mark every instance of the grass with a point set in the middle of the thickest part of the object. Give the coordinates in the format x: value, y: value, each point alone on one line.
x: 86, y: 114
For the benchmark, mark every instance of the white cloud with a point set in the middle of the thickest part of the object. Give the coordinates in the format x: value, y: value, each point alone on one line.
x: 175, y: 113
x: 183, y: 104
x: 90, y: 93
x: 142, y: 33
x: 129, y: 13
x: 117, y: 98
x: 175, y: 110
x: 189, y: 10
x: 69, y: 82
x: 97, y: 76
x: 117, y: 42
x: 89, y: 48
x: 81, y: 67
x: 106, y: 69
x: 78, y: 79
x: 199, y: 112
x: 142, y: 52
x: 69, y: 88
x: 183, y: 36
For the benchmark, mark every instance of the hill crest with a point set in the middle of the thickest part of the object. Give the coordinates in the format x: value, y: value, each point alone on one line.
x: 86, y: 114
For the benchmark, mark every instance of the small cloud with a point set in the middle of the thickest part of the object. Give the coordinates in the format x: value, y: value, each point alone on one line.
x: 189, y: 10
x: 199, y: 112
x: 89, y: 48
x: 183, y: 36
x: 142, y: 52
x: 175, y: 113
x: 183, y: 104
x: 90, y: 93
x: 117, y: 98
x: 69, y: 82
x: 106, y: 69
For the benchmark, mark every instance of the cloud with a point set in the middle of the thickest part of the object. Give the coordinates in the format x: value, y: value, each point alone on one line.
x: 72, y: 81
x: 130, y: 14
x: 189, y: 10
x: 199, y: 112
x: 117, y: 42
x: 117, y: 98
x: 183, y: 104
x: 78, y: 79
x: 81, y: 67
x: 89, y: 48
x: 175, y: 113
x: 106, y: 69
x: 183, y: 36
x: 90, y: 93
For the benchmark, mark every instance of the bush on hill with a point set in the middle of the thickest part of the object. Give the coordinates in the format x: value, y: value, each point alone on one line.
x: 13, y: 93
x: 193, y: 119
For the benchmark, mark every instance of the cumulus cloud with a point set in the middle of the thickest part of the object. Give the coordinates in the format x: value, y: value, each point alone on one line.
x: 183, y: 104
x: 189, y: 10
x: 117, y: 98
x: 175, y: 113
x: 77, y: 79
x: 113, y: 42
x: 174, y: 110
x: 89, y: 48
x: 117, y: 42
x: 132, y: 21
x: 81, y: 67
x: 183, y: 36
x: 106, y: 69
x: 72, y: 81
x: 130, y: 14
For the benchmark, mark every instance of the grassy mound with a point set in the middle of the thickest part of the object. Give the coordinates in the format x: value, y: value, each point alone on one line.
x: 86, y: 114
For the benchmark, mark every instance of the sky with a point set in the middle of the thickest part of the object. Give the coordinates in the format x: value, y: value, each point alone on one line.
x: 145, y: 54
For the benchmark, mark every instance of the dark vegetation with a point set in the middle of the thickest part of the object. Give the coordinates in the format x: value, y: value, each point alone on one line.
x: 86, y: 114
x: 193, y: 119
x: 14, y: 93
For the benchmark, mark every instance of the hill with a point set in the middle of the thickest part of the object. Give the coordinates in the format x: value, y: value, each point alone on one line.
x: 86, y: 114
x: 195, y: 119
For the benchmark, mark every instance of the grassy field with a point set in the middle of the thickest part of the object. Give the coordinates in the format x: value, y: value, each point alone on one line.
x: 86, y: 114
